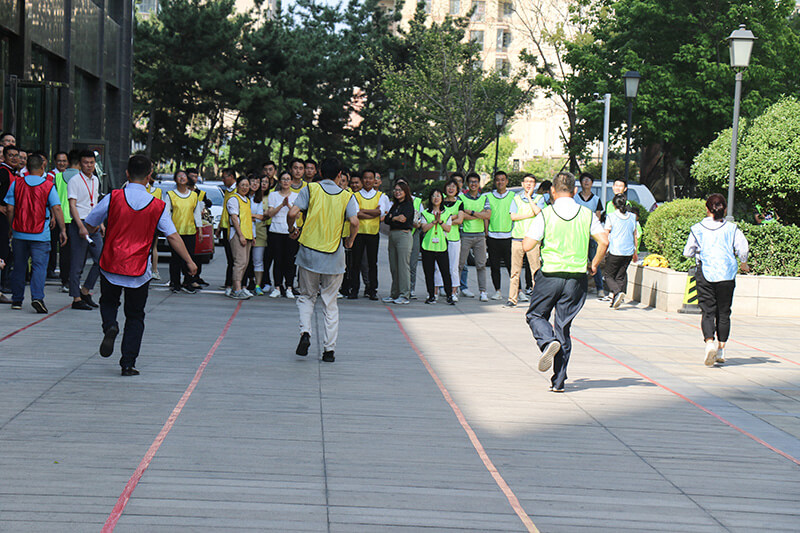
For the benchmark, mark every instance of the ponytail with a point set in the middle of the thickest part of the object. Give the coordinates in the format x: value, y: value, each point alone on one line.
x: 620, y: 203
x: 717, y: 205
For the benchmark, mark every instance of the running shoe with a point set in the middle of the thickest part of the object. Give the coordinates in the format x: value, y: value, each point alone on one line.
x: 606, y: 298
x: 617, y: 300
x: 455, y: 297
x: 388, y: 299
x: 17, y: 306
x: 522, y: 297
x: 259, y: 291
x: 450, y: 300
x: 247, y: 293
x: 303, y: 345
x: 430, y: 300
x: 549, y: 352
x: 188, y: 289
x: 289, y: 293
x: 711, y: 353
x: 402, y: 300
x: 39, y: 306
x: 156, y: 275
x: 276, y: 293
x: 720, y: 355
x: 240, y: 295
x: 228, y: 292
x: 497, y: 296
x: 510, y: 304
x: 484, y: 297
x: 468, y: 293
x: 413, y: 295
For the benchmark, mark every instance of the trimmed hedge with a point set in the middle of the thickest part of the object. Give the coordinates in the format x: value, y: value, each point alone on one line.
x: 774, y: 249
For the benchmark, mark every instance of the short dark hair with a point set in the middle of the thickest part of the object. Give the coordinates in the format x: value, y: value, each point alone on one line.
x: 564, y: 182
x: 500, y: 173
x: 139, y: 167
x: 296, y: 160
x: 192, y: 170
x: 405, y: 188
x: 545, y: 186
x: 35, y: 162
x: 10, y: 147
x: 529, y: 175
x: 586, y: 175
x: 371, y: 170
x: 55, y: 155
x: 87, y: 153
x: 473, y: 175
x: 7, y: 134
x: 454, y: 182
x: 229, y: 171
x: 330, y: 168
x: 459, y: 174
x: 74, y: 156
x: 622, y: 180
x: 310, y: 162
x: 268, y: 163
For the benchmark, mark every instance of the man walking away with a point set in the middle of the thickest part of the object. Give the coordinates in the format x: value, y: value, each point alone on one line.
x: 320, y: 258
x: 27, y: 201
x: 132, y: 216
x: 563, y: 230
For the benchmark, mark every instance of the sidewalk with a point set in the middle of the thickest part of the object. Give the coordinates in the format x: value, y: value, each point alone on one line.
x: 267, y: 441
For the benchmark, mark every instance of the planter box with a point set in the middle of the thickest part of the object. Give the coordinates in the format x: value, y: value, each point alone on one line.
x: 663, y: 289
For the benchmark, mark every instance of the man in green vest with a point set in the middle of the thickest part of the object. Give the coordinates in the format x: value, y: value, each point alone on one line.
x: 563, y: 230
x: 71, y: 169
x: 473, y: 233
x: 524, y: 208
x: 500, y: 226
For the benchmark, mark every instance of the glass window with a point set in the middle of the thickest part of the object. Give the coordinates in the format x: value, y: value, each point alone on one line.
x: 476, y: 36
x: 501, y: 65
x: 479, y: 15
x: 455, y: 7
x: 503, y: 40
x: 505, y: 10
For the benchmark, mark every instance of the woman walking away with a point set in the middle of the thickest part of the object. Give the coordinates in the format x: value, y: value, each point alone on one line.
x: 185, y: 208
x: 278, y: 242
x: 435, y: 225
x: 622, y: 239
x: 241, y: 235
x: 716, y: 243
x: 400, y: 219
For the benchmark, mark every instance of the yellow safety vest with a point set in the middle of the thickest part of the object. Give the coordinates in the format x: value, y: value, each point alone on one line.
x: 245, y: 217
x: 225, y: 218
x: 369, y: 226
x: 183, y: 212
x: 155, y: 191
x: 325, y: 219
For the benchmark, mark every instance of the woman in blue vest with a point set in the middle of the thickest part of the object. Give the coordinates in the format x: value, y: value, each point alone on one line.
x: 622, y: 237
x: 716, y: 243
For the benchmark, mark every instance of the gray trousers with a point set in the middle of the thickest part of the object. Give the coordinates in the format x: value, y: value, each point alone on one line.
x: 327, y: 286
x: 400, y: 242
x: 413, y: 261
x: 79, y: 249
x: 476, y: 243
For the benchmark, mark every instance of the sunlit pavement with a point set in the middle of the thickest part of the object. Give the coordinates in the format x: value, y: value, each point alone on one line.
x: 431, y: 417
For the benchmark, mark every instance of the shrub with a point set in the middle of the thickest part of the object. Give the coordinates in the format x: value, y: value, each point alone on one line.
x: 773, y: 249
x: 668, y: 228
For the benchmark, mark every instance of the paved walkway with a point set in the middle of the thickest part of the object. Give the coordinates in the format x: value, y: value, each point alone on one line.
x: 432, y: 417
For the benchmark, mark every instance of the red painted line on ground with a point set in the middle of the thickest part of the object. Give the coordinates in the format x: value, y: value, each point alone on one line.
x: 705, y: 410
x: 20, y: 330
x: 487, y: 462
x: 739, y: 342
x: 116, y: 513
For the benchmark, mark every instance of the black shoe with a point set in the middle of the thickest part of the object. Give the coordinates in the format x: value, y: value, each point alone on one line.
x: 328, y: 356
x: 173, y: 290
x: 129, y: 371
x: 353, y: 297
x: 107, y: 346
x: 201, y: 281
x: 431, y: 300
x: 88, y: 299
x: 188, y: 289
x: 16, y: 306
x: 39, y: 306
x: 80, y: 304
x: 302, y: 346
x: 373, y: 296
x: 450, y: 300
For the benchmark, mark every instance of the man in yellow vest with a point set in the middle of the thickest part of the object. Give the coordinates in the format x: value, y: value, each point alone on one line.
x: 320, y: 257
x: 372, y: 205
x: 229, y: 182
x: 563, y: 230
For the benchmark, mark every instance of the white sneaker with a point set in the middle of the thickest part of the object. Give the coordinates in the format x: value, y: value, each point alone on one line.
x: 522, y: 297
x: 228, y: 291
x: 711, y: 353
x: 549, y: 352
x: 266, y: 288
x: 240, y: 295
x: 248, y: 293
x: 402, y: 300
x: 289, y: 293
x: 339, y: 296
x: 484, y: 297
x: 388, y: 299
x: 617, y: 300
x: 497, y: 296
x: 468, y: 293
x: 455, y: 297
x: 156, y: 275
x: 413, y: 295
x: 720, y: 355
x: 276, y: 293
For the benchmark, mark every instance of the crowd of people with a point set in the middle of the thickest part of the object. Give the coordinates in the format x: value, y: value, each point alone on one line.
x: 317, y: 229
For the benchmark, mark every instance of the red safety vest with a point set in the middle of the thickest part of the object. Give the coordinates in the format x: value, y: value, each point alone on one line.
x: 30, y: 206
x: 129, y: 235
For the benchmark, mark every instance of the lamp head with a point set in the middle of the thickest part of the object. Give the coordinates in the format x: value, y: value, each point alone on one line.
x: 631, y: 83
x: 499, y: 118
x: 741, y: 44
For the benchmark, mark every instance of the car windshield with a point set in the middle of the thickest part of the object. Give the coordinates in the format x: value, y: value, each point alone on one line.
x: 610, y: 194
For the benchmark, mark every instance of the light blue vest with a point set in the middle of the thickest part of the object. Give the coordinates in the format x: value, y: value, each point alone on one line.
x: 620, y: 240
x: 716, y: 252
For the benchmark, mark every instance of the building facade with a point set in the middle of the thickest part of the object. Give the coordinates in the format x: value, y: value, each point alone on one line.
x: 66, y: 77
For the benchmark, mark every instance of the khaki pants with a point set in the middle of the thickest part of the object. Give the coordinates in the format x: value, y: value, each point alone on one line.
x: 328, y: 286
x: 516, y: 266
x: 241, y: 257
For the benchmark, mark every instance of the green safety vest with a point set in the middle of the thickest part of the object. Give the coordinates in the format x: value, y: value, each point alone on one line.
x: 417, y: 209
x: 61, y: 189
x: 565, y: 246
x: 435, y: 239
x: 454, y: 235
x: 477, y: 205
x: 523, y: 208
x: 500, y: 221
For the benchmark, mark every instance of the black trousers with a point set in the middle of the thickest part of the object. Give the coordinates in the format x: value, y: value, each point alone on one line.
x: 365, y: 244
x: 715, y: 299
x: 5, y: 253
x: 135, y: 300
x: 429, y: 262
x: 226, y: 244
x: 565, y: 294
x: 178, y: 267
x: 499, y: 249
x: 64, y: 262
x: 284, y: 251
x: 615, y: 276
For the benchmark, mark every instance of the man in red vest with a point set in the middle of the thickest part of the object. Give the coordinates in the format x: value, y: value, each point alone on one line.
x: 28, y: 200
x: 132, y: 216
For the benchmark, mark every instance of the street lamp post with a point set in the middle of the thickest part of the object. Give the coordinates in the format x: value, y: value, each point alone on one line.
x: 606, y: 122
x: 631, y: 90
x: 741, y: 44
x: 499, y: 118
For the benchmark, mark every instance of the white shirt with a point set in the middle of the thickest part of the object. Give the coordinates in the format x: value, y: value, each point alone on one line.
x: 384, y: 204
x: 565, y: 207
x: 279, y: 224
x: 85, y: 191
x: 500, y: 234
x: 198, y: 210
x: 256, y: 209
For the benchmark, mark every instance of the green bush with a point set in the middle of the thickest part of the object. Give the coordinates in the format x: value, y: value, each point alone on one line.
x: 616, y: 170
x: 668, y: 228
x: 773, y: 249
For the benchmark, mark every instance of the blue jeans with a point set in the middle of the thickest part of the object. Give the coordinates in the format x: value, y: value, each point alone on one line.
x: 598, y: 277
x: 39, y: 254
